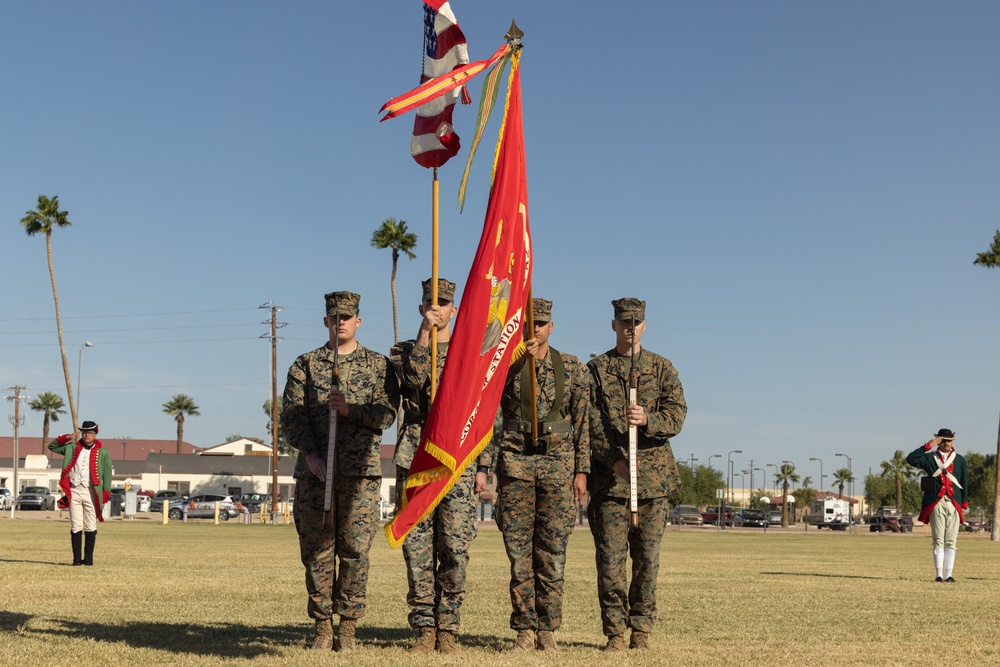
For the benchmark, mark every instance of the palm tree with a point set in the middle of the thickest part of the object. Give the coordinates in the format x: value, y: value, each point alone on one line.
x: 392, y: 234
x: 991, y: 260
x: 900, y: 470
x: 52, y: 406
x: 786, y: 475
x: 842, y: 477
x: 47, y: 217
x: 179, y: 406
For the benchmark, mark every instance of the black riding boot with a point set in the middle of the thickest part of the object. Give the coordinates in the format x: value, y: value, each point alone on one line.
x: 90, y: 536
x: 77, y: 540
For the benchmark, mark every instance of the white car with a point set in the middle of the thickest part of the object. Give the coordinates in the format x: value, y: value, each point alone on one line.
x: 6, y: 498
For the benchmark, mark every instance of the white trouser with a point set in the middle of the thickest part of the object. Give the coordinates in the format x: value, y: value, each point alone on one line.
x: 82, y: 513
x: 944, y: 524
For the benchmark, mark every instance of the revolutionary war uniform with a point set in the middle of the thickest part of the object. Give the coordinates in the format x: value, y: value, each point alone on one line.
x: 86, y: 485
x: 660, y: 393
x: 372, y: 393
x: 945, y: 500
x: 536, y: 509
x: 436, y: 550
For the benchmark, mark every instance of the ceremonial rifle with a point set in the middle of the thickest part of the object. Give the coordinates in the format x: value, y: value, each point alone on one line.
x: 331, y: 447
x: 633, y: 440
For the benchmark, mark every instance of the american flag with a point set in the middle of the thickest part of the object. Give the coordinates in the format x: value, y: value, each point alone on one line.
x: 434, y: 139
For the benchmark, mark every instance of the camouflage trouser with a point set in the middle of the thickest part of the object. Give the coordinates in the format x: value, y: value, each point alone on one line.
x: 614, y: 543
x: 536, y: 517
x: 355, y: 523
x: 444, y: 536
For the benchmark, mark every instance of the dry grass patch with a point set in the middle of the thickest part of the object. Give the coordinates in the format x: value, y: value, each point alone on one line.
x: 199, y: 594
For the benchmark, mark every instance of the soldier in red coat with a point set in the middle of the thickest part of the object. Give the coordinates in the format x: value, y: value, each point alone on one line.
x: 946, y: 497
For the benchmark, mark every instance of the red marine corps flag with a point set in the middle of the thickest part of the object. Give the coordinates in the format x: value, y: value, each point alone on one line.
x: 487, y: 334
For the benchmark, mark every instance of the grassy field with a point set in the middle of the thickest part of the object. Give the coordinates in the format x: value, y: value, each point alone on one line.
x: 199, y: 594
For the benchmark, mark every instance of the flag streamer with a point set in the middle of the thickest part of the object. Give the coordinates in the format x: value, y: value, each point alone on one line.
x: 487, y: 100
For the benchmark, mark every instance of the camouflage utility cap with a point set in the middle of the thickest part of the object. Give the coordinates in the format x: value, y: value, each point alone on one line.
x: 347, y: 303
x: 541, y: 310
x: 627, y: 308
x: 446, y: 290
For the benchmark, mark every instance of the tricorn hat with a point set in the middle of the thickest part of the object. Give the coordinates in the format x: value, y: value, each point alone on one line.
x: 88, y: 426
x: 346, y: 303
x: 945, y: 434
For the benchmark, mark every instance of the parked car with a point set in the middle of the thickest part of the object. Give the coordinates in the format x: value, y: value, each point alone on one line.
x: 6, y: 498
x: 203, y: 507
x: 774, y: 518
x: 750, y: 518
x: 253, y: 501
x: 142, y: 503
x: 156, y: 504
x: 978, y: 525
x: 711, y: 515
x: 35, y: 497
x: 890, y: 522
x: 686, y: 515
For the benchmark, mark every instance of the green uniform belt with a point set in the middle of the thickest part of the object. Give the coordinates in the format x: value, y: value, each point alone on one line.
x: 544, y: 428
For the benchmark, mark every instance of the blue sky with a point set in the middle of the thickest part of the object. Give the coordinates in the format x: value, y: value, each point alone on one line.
x: 797, y: 190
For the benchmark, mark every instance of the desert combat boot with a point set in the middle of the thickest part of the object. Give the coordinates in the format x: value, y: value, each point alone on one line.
x: 446, y: 642
x: 525, y: 642
x: 345, y: 634
x: 545, y: 641
x: 425, y: 642
x: 616, y: 644
x: 640, y: 640
x: 324, y: 635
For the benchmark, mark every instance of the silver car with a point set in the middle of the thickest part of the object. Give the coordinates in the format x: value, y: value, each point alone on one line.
x: 202, y: 506
x: 35, y: 498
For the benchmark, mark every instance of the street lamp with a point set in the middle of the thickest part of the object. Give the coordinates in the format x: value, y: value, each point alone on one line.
x: 729, y: 472
x: 850, y: 504
x: 743, y: 481
x: 713, y: 456
x: 813, y: 458
x: 79, y: 376
x: 764, y: 475
x: 775, y: 478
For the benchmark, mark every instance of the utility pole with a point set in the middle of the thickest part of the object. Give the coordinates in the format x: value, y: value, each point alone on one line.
x: 16, y: 420
x: 274, y: 399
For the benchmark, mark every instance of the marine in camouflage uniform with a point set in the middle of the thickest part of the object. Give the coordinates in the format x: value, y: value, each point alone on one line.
x: 366, y: 405
x: 436, y: 550
x: 658, y: 414
x: 540, y: 483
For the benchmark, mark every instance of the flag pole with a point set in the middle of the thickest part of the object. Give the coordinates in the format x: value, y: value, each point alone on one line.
x: 530, y: 329
x: 434, y: 279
